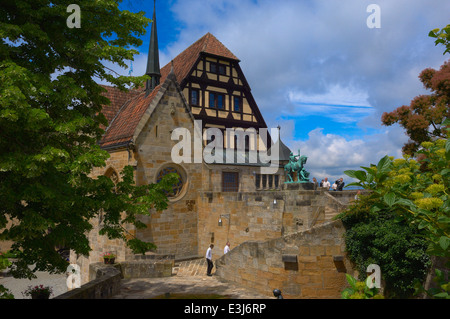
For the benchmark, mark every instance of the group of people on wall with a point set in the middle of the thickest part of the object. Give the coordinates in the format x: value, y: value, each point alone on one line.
x: 338, y: 185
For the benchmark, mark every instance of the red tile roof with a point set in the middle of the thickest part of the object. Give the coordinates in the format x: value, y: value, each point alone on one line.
x: 184, y: 61
x: 127, y: 108
x: 117, y: 98
x: 122, y: 127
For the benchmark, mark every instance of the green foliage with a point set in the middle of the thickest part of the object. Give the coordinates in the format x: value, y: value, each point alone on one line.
x: 359, y: 290
x: 442, y: 291
x: 442, y: 37
x: 379, y: 238
x: 409, y: 192
x: 50, y: 123
x: 5, y: 263
x: 5, y: 293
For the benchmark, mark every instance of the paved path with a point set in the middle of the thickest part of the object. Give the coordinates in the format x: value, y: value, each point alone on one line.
x: 189, y: 277
x: 17, y: 286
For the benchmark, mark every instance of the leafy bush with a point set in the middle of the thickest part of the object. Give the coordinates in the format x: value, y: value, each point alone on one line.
x: 359, y: 290
x: 380, y: 238
x: 408, y: 206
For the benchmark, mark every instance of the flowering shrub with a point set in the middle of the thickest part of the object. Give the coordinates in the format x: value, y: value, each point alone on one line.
x: 38, y: 290
x: 108, y: 255
x: 414, y: 190
x: 359, y: 290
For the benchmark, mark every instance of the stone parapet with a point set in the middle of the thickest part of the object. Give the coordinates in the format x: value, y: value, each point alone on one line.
x: 307, y: 264
x: 105, y: 285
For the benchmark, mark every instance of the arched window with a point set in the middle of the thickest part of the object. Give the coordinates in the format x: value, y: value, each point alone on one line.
x: 178, y: 189
x: 112, y: 174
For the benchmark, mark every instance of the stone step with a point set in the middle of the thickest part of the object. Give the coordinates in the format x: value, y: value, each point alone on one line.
x: 330, y: 213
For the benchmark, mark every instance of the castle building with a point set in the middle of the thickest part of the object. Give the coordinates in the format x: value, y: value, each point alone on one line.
x: 202, y: 90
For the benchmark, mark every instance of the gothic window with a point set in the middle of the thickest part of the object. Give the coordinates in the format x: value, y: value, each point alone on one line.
x: 112, y: 175
x: 177, y: 188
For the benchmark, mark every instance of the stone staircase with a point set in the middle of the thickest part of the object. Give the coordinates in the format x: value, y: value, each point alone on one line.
x: 191, y: 267
x: 333, y: 207
x: 330, y: 213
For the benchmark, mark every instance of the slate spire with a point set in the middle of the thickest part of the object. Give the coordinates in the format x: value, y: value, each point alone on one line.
x: 153, y: 68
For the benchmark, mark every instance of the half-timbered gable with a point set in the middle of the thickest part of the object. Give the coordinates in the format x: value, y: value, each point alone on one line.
x: 216, y: 89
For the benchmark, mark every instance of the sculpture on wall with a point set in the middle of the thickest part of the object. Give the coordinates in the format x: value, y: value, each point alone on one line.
x: 296, y: 165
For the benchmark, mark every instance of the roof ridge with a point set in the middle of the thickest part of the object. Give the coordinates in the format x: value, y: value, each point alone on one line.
x: 205, y: 45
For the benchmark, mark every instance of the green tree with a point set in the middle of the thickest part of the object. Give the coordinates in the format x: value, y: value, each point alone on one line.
x: 50, y: 123
x: 423, y: 117
x: 417, y: 193
x: 378, y: 237
x: 442, y: 36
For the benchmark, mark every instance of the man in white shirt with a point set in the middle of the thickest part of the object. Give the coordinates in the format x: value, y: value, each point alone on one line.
x: 209, y: 260
x: 326, y: 183
x: 227, y: 248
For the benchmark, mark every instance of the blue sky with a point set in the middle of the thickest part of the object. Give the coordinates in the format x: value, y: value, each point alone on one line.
x: 314, y: 66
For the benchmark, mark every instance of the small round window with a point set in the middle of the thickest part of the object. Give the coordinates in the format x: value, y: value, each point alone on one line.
x: 178, y: 187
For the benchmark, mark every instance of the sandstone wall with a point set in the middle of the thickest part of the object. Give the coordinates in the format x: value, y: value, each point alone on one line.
x: 258, y: 215
x: 307, y: 264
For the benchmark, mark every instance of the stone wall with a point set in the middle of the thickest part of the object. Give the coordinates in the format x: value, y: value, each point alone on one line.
x: 258, y: 215
x: 173, y: 230
x: 307, y: 264
x: 105, y: 284
x: 105, y: 280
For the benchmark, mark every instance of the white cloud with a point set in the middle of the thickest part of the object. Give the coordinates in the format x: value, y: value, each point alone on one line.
x: 329, y: 155
x: 313, y: 57
x: 334, y: 95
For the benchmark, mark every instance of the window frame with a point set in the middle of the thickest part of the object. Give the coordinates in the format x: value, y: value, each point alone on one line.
x: 239, y: 99
x: 228, y: 186
x: 215, y: 100
x: 218, y: 68
x: 197, y: 91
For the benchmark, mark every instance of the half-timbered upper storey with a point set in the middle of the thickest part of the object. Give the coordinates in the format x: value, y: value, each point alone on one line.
x: 213, y: 85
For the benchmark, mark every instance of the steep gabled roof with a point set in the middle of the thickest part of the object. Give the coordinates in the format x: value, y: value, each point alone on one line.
x: 121, y: 129
x: 127, y: 108
x: 117, y: 99
x: 131, y: 118
x: 184, y: 61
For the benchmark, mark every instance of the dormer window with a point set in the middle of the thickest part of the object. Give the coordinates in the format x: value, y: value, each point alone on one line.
x: 218, y: 68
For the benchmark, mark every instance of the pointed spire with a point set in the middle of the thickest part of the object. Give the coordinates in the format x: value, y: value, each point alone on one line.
x: 153, y: 68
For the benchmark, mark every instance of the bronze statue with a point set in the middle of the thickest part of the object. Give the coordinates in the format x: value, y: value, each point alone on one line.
x: 296, y: 165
